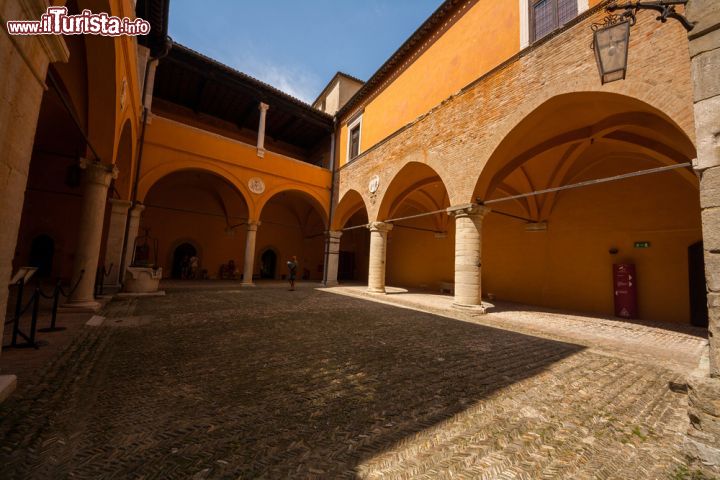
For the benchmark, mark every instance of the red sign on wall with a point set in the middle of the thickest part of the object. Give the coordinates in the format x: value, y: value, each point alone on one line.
x: 625, y: 286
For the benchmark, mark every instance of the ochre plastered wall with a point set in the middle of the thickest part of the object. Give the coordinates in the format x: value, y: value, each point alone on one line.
x: 484, y: 33
x: 171, y: 146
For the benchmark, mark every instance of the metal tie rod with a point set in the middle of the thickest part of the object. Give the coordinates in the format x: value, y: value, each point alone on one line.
x: 588, y: 183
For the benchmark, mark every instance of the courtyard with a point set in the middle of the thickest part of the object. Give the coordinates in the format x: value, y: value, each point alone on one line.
x: 216, y: 381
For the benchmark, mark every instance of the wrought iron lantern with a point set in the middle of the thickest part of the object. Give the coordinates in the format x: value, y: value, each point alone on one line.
x: 611, y: 41
x: 611, y: 38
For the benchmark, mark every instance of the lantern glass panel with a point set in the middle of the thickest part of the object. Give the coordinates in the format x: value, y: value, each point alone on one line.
x: 611, y: 51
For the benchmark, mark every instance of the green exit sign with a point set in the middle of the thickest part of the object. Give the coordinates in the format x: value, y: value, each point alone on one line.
x: 642, y: 244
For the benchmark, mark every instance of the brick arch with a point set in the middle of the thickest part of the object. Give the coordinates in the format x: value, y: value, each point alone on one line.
x: 153, y: 176
x: 351, y: 203
x: 409, y: 177
x: 649, y: 115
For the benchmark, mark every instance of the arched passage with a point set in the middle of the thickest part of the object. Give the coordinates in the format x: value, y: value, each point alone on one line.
x: 354, y: 251
x: 555, y: 249
x: 197, y: 205
x: 420, y: 250
x: 293, y: 223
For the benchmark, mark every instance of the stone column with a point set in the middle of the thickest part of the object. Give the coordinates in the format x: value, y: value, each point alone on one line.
x: 114, y: 244
x: 704, y: 389
x: 378, y: 250
x: 468, y: 254
x: 332, y: 251
x: 92, y: 214
x: 249, y: 262
x: 24, y: 67
x: 261, y: 130
x: 133, y: 229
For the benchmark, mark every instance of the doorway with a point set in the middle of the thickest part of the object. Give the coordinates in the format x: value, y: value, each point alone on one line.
x: 698, y: 290
x: 42, y: 251
x: 181, y: 258
x: 268, y: 264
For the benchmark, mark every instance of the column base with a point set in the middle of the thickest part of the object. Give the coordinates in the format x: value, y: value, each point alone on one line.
x: 8, y: 384
x: 470, y: 308
x: 247, y: 285
x: 334, y: 283
x: 81, y: 306
x: 380, y: 291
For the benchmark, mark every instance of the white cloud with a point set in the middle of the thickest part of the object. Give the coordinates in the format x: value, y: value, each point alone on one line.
x: 291, y: 79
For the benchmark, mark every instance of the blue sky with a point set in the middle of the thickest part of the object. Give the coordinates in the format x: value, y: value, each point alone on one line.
x: 298, y: 45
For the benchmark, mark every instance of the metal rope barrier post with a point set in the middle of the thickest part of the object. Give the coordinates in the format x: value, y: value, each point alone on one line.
x: 33, y: 321
x: 18, y: 311
x: 56, y: 302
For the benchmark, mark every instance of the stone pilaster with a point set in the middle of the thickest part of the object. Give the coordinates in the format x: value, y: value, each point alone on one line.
x: 704, y: 389
x: 378, y: 250
x: 468, y: 254
x: 261, y: 130
x: 114, y: 244
x: 25, y: 63
x: 249, y: 262
x: 92, y: 214
x: 332, y: 250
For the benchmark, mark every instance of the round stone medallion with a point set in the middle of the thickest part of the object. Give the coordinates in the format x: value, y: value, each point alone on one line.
x: 256, y: 185
x: 374, y: 184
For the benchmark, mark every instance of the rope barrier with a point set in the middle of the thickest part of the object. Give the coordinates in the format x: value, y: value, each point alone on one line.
x: 34, y: 301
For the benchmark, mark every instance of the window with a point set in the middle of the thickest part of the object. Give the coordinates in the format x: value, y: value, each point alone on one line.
x: 354, y: 138
x: 355, y: 141
x: 547, y: 16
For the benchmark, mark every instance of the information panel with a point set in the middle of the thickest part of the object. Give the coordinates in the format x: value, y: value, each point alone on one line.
x: 625, y: 286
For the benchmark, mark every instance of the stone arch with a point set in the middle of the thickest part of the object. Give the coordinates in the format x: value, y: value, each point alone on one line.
x: 319, y: 202
x: 125, y: 153
x: 104, y: 86
x: 154, y: 175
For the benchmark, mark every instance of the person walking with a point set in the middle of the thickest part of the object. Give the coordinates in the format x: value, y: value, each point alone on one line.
x: 292, y: 267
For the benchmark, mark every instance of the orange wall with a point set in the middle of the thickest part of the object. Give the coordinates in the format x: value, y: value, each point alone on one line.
x: 417, y: 259
x: 569, y: 266
x: 484, y: 37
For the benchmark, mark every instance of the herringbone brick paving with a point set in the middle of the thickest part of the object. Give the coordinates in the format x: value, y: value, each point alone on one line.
x: 265, y: 383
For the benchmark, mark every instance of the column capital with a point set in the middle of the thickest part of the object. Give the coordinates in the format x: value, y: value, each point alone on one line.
x: 98, y: 172
x: 380, y: 226
x: 263, y: 107
x: 137, y: 210
x: 333, y: 234
x: 252, y: 225
x: 468, y: 210
x: 119, y: 205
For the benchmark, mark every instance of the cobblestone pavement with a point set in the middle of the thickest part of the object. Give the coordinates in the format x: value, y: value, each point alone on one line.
x: 264, y: 383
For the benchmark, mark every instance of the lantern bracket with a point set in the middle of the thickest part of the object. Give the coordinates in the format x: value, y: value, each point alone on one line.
x: 666, y: 8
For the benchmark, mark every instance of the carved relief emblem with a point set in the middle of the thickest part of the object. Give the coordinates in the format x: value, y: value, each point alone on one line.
x: 374, y: 184
x: 256, y: 185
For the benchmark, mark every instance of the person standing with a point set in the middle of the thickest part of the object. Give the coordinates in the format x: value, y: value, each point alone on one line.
x: 292, y: 267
